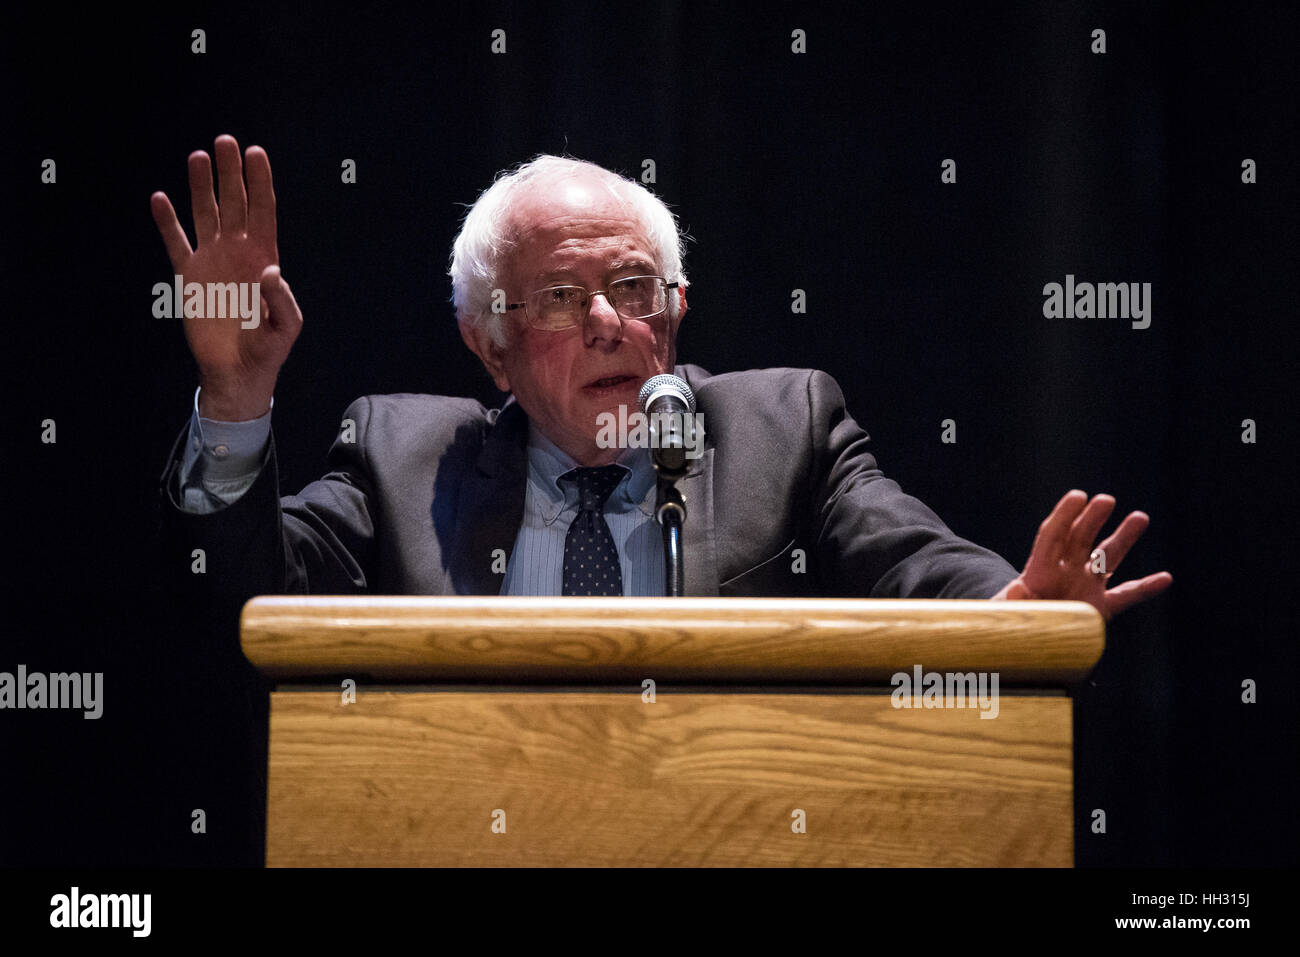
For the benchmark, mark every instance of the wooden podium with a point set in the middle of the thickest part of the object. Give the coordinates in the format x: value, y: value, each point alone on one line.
x: 669, y: 732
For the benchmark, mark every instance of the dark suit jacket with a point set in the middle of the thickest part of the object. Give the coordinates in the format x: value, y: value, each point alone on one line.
x: 433, y: 485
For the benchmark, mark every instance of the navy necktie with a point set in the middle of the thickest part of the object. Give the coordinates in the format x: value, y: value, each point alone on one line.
x: 591, y: 563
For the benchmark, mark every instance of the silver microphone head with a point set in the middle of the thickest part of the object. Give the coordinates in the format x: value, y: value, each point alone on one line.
x: 666, y: 383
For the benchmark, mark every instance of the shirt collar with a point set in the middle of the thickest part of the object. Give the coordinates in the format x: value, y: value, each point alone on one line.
x: 547, y: 462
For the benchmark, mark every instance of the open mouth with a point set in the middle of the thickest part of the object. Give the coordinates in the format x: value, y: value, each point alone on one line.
x: 610, y: 382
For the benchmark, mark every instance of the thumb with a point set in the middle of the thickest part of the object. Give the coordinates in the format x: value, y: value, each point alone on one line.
x: 283, y: 312
x: 1015, y: 590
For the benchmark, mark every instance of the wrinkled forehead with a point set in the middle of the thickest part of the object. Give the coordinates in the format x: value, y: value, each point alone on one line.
x: 577, y: 216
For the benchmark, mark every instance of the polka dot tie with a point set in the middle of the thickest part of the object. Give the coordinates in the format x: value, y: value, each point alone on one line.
x: 591, y: 565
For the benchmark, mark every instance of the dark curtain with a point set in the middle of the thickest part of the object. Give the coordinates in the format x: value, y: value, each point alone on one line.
x: 818, y: 171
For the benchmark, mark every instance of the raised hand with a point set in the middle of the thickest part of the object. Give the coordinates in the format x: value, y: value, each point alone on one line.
x: 235, y: 242
x: 1064, y: 563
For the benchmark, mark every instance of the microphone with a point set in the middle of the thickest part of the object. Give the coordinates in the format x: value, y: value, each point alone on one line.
x: 668, y: 403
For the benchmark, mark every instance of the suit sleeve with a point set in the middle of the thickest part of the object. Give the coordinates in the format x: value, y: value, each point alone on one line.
x: 875, y: 540
x: 320, y: 541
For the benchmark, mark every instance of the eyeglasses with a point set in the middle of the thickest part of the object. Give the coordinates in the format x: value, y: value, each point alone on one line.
x: 562, y: 307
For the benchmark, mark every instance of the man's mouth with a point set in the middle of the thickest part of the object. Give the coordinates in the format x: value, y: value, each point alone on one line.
x: 609, y: 382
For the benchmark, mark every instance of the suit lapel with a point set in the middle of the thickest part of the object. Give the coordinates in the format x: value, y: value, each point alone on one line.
x: 699, y: 541
x: 699, y: 537
x: 492, y: 504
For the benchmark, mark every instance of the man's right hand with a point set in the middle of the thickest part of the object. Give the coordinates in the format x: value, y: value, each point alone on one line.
x: 235, y: 243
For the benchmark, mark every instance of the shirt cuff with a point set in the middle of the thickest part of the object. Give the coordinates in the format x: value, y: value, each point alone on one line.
x: 224, y: 452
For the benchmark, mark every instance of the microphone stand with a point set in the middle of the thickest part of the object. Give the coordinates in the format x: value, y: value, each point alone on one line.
x: 671, y: 434
x: 670, y: 509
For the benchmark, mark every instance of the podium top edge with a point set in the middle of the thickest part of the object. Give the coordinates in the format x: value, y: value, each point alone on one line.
x: 713, y: 638
x: 321, y: 602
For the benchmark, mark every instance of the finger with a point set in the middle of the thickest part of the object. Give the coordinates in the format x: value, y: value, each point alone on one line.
x: 1118, y: 543
x: 1129, y: 594
x: 1084, y: 530
x: 203, y: 204
x: 1049, y: 543
x: 230, y: 179
x: 261, y: 195
x: 169, y: 227
x: 283, y: 312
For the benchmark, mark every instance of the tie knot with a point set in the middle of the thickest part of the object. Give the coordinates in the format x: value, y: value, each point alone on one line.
x: 594, y: 484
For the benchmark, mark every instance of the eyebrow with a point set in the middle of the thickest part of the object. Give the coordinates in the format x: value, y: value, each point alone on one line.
x: 617, y: 265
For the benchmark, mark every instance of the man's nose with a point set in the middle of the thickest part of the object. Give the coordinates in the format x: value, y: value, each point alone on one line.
x: 602, y: 321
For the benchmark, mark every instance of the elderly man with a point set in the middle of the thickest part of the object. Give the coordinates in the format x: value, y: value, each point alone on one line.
x: 569, y: 287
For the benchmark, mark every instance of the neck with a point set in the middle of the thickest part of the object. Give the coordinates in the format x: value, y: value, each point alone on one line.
x: 584, y: 454
x: 592, y: 456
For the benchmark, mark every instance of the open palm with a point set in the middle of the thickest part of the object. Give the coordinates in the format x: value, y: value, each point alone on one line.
x: 1064, y: 562
x: 235, y: 243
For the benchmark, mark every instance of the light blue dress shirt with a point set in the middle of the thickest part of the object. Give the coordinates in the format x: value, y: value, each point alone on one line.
x: 536, y: 565
x: 223, y: 459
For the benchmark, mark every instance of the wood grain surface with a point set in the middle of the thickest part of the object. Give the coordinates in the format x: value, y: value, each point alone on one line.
x: 603, y: 778
x: 796, y: 641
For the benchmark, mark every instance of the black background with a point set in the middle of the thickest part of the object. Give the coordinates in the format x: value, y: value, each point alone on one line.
x: 818, y: 171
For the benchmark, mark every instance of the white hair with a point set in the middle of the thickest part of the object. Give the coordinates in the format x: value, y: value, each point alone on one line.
x: 489, y: 234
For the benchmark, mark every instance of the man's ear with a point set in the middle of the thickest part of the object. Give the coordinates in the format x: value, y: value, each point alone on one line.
x: 490, y: 354
x: 681, y: 312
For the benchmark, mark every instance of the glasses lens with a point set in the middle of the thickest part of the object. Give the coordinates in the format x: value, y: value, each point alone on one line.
x: 557, y: 307
x: 637, y: 297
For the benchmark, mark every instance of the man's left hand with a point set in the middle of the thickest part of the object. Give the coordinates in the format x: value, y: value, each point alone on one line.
x: 1065, y: 566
